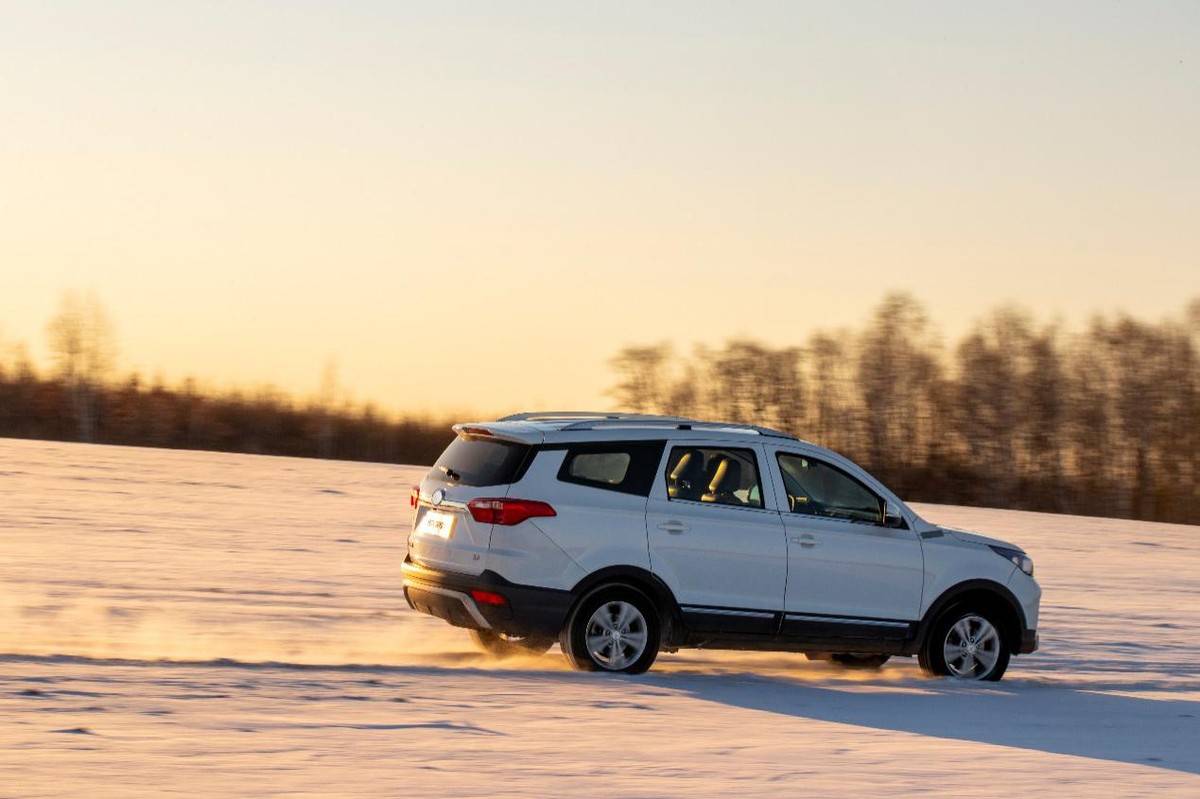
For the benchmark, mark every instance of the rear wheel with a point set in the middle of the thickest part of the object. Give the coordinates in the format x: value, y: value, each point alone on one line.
x: 615, y: 628
x: 505, y: 646
x: 966, y: 644
x: 853, y: 660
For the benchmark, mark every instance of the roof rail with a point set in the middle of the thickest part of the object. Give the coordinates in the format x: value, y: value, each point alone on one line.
x: 680, y: 423
x: 590, y: 420
x: 564, y: 416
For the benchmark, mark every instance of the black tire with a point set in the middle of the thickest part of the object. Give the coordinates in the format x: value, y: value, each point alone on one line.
x: 854, y: 660
x: 932, y: 658
x: 581, y: 623
x: 503, y: 646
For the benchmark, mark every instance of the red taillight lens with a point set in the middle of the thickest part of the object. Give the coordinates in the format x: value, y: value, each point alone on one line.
x: 414, y: 498
x: 477, y: 431
x: 488, y: 597
x: 507, y: 511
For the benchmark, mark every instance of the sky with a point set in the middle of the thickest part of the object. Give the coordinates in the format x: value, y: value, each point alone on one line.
x: 473, y: 206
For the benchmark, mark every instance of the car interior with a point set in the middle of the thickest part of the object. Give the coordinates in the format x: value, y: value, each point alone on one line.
x: 717, y: 476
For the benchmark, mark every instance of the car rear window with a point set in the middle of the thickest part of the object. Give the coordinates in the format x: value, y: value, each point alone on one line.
x: 624, y: 466
x: 600, y: 467
x: 474, y: 461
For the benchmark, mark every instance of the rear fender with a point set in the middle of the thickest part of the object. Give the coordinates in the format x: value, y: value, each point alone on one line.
x: 645, y: 581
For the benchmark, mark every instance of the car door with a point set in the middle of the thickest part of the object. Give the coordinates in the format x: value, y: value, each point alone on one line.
x: 848, y: 572
x: 715, y: 538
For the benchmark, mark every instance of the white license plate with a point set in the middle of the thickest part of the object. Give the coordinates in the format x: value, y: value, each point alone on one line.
x: 436, y: 522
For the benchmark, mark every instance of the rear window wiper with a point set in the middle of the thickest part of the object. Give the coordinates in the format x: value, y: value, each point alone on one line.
x: 450, y: 473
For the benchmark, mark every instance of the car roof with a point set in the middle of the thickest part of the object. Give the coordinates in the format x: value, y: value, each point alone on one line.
x: 568, y: 426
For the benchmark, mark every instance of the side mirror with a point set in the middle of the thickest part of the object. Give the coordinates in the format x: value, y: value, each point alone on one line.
x: 892, y: 517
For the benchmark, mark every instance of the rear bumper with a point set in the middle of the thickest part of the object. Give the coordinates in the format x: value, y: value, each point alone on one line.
x: 529, y: 610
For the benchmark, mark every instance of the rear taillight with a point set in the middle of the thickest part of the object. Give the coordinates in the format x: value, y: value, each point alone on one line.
x: 414, y: 497
x: 476, y: 431
x: 488, y: 597
x: 507, y: 511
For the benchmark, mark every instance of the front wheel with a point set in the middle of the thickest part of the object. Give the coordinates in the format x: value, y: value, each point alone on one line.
x: 615, y: 628
x: 505, y: 646
x: 966, y: 644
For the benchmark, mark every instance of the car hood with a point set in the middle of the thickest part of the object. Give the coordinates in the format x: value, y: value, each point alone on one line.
x: 976, y: 538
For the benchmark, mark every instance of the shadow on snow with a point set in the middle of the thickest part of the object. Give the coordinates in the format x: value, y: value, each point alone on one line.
x: 1021, y: 714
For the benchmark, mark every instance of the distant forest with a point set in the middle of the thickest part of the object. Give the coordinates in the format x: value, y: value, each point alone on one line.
x: 83, y: 400
x: 1103, y: 421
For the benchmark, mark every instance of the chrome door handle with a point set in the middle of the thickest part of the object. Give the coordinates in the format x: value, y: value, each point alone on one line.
x: 807, y: 541
x: 673, y: 527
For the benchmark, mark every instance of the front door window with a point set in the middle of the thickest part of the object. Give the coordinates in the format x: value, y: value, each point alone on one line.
x: 815, y: 488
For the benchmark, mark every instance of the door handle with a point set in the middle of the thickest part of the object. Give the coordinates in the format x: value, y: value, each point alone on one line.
x: 673, y: 527
x: 807, y: 541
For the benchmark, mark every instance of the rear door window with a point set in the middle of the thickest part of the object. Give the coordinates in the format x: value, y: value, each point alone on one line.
x: 478, y: 461
x: 718, y: 475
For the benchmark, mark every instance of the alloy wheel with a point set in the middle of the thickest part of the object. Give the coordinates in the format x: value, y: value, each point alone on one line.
x: 616, y: 635
x: 971, y: 648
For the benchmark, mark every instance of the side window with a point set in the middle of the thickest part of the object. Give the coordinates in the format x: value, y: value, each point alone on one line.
x: 624, y: 466
x: 600, y: 467
x: 815, y: 488
x: 718, y: 475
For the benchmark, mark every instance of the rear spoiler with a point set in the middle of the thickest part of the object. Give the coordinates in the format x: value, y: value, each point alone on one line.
x: 504, y: 431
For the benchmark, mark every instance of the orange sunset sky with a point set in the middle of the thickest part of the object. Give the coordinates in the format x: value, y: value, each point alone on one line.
x: 473, y: 206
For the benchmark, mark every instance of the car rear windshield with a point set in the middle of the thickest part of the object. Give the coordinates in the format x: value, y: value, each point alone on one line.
x: 473, y: 461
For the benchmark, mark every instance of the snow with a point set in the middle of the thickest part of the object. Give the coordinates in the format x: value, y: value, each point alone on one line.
x: 226, y: 625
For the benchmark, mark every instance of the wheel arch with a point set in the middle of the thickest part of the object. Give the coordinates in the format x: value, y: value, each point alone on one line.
x: 643, y: 580
x: 984, y: 594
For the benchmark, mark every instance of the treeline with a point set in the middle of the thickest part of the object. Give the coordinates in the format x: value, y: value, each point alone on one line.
x: 131, y: 413
x: 1101, y: 421
x: 1104, y: 421
x: 81, y: 400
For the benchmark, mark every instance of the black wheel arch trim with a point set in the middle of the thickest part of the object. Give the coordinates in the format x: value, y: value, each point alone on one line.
x: 948, y: 597
x: 644, y: 580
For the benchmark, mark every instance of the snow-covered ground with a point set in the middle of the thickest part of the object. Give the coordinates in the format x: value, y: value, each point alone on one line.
x: 224, y: 625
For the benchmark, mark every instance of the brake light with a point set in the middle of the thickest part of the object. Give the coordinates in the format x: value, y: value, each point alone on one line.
x: 507, y: 511
x: 488, y: 597
x: 414, y: 497
x: 476, y: 431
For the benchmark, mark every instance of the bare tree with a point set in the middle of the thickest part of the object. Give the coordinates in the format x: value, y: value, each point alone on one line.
x: 833, y: 417
x: 683, y: 393
x: 1192, y: 316
x: 990, y: 409
x: 898, y: 370
x: 644, y: 384
x: 749, y: 382
x: 82, y: 341
x: 1044, y: 388
x: 327, y: 397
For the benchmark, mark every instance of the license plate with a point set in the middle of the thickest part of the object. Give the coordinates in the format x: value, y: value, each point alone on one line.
x: 436, y: 522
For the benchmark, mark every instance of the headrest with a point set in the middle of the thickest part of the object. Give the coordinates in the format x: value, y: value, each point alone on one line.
x: 727, y: 477
x: 691, y: 461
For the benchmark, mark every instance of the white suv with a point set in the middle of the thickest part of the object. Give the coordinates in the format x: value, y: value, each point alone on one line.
x: 620, y: 535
